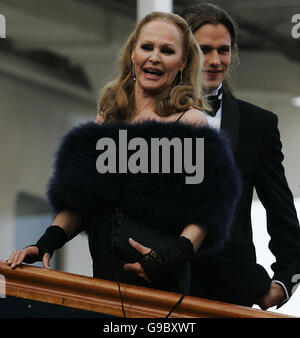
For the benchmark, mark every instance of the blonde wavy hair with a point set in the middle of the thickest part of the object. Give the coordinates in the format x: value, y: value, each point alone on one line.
x: 116, y: 100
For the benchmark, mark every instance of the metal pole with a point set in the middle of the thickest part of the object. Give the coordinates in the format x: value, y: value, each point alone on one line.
x: 144, y: 7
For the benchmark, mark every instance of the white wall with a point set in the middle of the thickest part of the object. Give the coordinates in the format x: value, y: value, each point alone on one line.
x: 32, y: 121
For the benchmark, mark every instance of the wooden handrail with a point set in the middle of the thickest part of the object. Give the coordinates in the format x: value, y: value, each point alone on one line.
x: 102, y: 296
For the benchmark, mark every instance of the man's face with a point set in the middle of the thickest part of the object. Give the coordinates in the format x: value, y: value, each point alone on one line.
x: 215, y: 43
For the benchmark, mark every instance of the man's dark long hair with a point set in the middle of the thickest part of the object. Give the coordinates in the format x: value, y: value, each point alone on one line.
x: 200, y: 14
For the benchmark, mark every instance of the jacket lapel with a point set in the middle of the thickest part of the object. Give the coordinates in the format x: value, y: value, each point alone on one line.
x: 230, y: 118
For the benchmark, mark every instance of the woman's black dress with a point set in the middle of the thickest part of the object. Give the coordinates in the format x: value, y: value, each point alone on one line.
x: 152, y: 208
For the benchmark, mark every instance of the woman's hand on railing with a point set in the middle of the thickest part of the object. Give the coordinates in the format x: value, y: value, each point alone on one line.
x: 27, y: 255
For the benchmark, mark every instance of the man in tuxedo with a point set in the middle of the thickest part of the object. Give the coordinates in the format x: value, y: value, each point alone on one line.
x: 233, y: 274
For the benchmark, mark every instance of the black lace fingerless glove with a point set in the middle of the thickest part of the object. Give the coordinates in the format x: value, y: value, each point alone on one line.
x: 54, y: 238
x: 157, y: 262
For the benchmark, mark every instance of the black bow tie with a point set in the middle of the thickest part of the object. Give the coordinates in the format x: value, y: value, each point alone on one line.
x: 214, y: 102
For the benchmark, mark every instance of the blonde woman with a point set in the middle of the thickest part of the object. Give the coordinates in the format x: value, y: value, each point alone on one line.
x: 144, y: 227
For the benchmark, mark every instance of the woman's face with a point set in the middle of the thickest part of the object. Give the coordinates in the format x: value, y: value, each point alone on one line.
x: 158, y: 56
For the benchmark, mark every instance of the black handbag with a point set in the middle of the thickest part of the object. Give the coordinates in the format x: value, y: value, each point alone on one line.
x: 124, y: 226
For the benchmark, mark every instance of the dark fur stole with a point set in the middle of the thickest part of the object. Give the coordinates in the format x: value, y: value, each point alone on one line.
x: 161, y: 200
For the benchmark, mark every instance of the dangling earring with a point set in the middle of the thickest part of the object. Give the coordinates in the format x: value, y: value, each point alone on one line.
x: 133, y: 72
x: 180, y: 78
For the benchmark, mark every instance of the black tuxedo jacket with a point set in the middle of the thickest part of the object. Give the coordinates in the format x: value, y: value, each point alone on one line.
x: 233, y: 275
